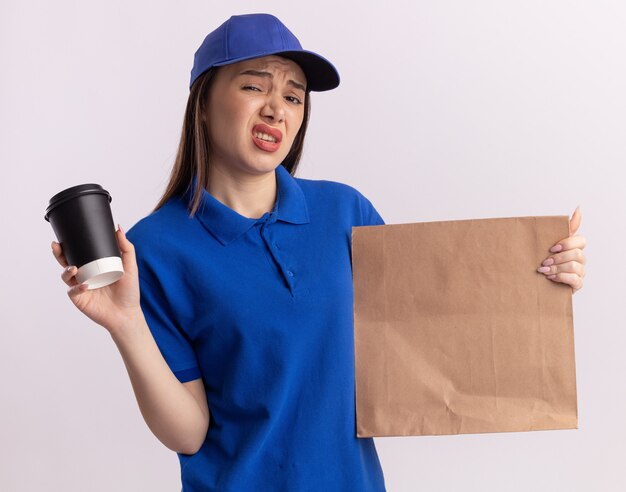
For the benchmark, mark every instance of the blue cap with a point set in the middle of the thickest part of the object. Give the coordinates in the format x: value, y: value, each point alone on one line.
x: 243, y: 37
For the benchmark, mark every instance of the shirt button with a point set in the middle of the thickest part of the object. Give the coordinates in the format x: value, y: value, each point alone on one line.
x: 290, y: 273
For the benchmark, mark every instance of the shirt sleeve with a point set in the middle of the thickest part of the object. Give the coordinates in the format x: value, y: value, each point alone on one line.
x: 173, y: 343
x: 369, y: 213
x: 158, y: 305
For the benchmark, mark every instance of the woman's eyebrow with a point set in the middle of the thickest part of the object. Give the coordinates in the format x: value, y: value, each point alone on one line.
x: 258, y: 73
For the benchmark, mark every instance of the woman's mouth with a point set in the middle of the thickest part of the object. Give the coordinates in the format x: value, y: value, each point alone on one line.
x: 266, y: 138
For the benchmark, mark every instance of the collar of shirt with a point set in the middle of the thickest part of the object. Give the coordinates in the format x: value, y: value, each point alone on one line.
x: 227, y: 225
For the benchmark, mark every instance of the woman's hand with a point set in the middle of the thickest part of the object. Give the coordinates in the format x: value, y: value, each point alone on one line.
x: 114, y: 305
x: 567, y: 264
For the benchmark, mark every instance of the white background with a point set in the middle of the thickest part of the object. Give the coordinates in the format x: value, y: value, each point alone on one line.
x: 446, y: 110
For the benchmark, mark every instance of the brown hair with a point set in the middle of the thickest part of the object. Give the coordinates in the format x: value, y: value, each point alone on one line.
x: 192, y: 158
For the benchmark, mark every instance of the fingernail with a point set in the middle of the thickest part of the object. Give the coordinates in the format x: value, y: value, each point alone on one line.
x: 550, y: 276
x: 547, y: 262
x: 69, y: 269
x: 543, y: 269
x: 556, y: 248
x: 120, y: 229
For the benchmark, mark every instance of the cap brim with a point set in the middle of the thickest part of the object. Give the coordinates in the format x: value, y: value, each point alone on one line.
x: 321, y: 75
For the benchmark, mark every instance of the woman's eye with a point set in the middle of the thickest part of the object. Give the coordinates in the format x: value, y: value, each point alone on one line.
x: 251, y: 87
x: 293, y: 99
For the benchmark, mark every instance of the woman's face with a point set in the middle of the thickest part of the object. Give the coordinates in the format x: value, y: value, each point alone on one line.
x: 255, y: 109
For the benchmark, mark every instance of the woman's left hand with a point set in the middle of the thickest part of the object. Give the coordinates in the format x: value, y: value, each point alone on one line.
x: 567, y: 263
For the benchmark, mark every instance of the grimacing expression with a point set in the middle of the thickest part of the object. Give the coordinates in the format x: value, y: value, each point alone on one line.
x: 255, y: 109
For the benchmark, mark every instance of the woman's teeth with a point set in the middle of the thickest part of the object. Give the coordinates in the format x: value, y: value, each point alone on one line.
x: 265, y: 136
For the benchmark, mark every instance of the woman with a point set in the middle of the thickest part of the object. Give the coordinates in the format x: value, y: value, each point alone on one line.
x: 240, y: 348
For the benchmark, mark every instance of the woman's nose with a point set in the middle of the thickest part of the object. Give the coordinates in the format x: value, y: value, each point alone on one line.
x: 273, y: 109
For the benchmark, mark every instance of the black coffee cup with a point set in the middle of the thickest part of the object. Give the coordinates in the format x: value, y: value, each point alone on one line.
x: 82, y: 221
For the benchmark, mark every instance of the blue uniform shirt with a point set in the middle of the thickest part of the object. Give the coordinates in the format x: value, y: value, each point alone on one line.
x: 262, y: 310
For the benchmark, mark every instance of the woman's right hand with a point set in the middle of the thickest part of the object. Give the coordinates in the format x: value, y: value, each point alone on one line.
x: 115, y: 305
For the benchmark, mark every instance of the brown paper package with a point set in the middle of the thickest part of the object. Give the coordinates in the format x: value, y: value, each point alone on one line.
x: 456, y: 332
